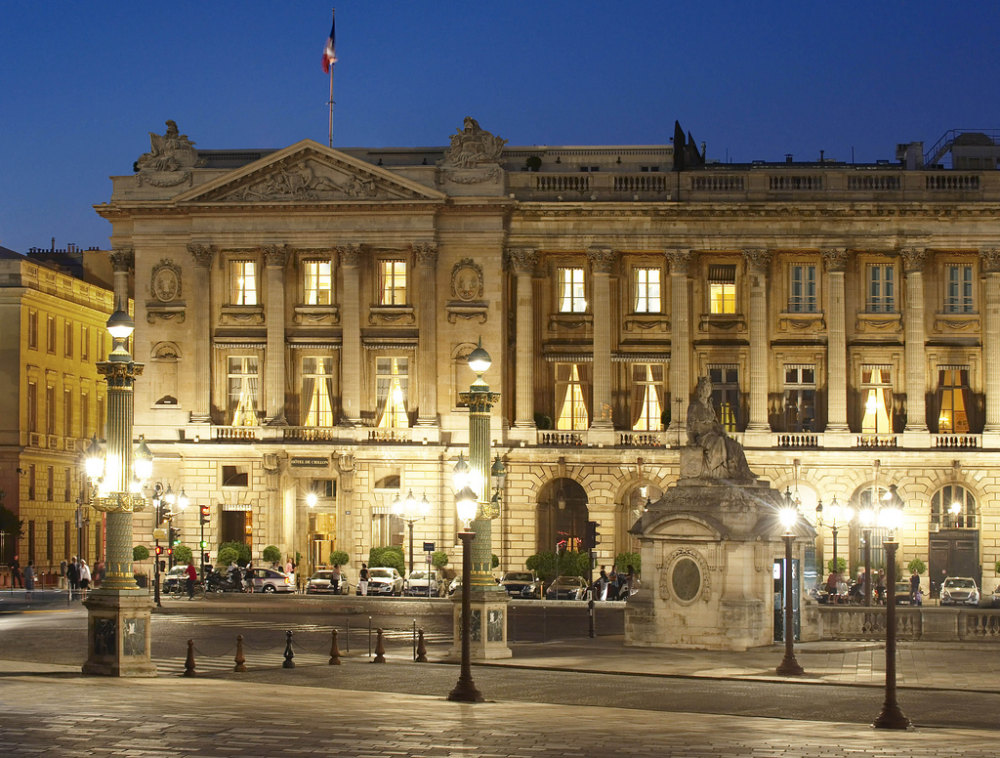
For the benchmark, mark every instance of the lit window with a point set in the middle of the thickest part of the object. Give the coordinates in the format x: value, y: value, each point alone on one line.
x: 242, y: 283
x: 722, y: 289
x: 647, y: 290
x: 954, y: 395
x: 572, y: 294
x: 726, y: 395
x: 392, y: 284
x: 317, y: 391
x: 571, y: 407
x: 800, y: 398
x: 876, y: 396
x: 881, y: 288
x: 802, y: 289
x: 391, y: 387
x: 953, y: 507
x: 958, y: 298
x: 318, y: 282
x: 647, y: 397
x: 243, y: 391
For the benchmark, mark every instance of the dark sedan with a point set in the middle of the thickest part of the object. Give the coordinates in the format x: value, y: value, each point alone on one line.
x: 567, y: 588
x: 521, y: 584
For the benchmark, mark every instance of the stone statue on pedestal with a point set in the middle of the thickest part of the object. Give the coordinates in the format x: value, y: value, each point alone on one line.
x: 722, y: 457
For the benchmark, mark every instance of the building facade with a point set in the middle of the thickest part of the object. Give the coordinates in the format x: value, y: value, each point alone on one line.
x: 305, y: 315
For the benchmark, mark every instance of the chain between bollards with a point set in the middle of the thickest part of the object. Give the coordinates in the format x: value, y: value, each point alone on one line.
x: 334, y: 650
x: 379, y: 648
x: 289, y: 655
x: 240, y: 661
x: 189, y: 662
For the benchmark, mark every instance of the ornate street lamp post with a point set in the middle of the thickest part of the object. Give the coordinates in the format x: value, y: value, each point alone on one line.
x: 411, y: 511
x: 789, y: 515
x: 890, y: 516
x: 467, y: 505
x: 118, y: 612
x: 838, y: 513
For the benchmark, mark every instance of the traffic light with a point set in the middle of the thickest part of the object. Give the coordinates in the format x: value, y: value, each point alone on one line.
x: 204, y: 544
x: 175, y: 537
x: 159, y: 550
x: 206, y: 514
x: 593, y: 538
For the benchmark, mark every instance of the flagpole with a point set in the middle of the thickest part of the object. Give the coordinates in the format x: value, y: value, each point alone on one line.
x: 331, y: 106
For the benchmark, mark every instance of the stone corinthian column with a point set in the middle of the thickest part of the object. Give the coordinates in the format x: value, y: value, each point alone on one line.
x: 275, y: 259
x: 836, y: 339
x: 122, y: 264
x: 426, y: 256
x: 915, y: 340
x: 601, y: 262
x: 991, y: 336
x: 350, y: 352
x: 758, y: 261
x: 203, y: 256
x: 523, y: 260
x: 680, y: 337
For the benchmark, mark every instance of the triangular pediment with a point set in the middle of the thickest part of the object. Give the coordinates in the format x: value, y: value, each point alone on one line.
x: 308, y: 172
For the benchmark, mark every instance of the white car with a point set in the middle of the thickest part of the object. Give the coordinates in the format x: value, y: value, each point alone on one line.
x: 417, y: 583
x: 384, y: 580
x: 959, y: 590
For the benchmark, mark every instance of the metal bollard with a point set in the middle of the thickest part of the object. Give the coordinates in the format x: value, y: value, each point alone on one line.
x: 590, y: 607
x: 421, y: 647
x: 189, y: 662
x: 369, y: 636
x: 379, y: 649
x: 289, y: 663
x: 334, y: 650
x: 240, y: 661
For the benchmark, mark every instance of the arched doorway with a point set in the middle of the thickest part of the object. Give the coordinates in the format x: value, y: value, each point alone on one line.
x: 562, y: 516
x: 629, y: 511
x: 953, y: 544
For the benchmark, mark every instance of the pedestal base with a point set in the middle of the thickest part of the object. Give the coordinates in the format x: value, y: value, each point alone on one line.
x: 488, y: 637
x: 119, y: 633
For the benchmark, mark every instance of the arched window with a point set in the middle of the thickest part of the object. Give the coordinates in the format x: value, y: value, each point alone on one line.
x: 953, y: 507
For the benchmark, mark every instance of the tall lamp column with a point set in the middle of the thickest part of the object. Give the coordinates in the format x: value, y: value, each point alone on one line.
x: 411, y: 511
x: 789, y: 515
x: 891, y: 717
x: 466, y: 502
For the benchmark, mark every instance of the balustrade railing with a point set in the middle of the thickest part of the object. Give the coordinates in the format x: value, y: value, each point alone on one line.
x: 963, y: 441
x: 642, y: 439
x: 560, y: 439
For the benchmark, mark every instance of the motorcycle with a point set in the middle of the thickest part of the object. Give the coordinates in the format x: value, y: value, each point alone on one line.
x: 218, y: 582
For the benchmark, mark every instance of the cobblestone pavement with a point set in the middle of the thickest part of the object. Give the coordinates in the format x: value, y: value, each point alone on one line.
x: 55, y: 711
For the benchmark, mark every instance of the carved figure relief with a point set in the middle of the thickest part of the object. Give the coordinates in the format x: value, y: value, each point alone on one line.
x: 165, y: 282
x: 170, y: 159
x: 474, y: 152
x: 467, y: 280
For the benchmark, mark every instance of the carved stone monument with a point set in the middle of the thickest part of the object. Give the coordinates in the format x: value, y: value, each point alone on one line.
x: 708, y: 547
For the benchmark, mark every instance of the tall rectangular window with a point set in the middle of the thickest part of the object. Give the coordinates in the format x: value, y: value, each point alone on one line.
x: 50, y: 334
x: 391, y: 388
x: 572, y: 392
x: 572, y: 290
x: 84, y: 415
x: 954, y: 399
x: 647, y: 290
x: 722, y: 288
x: 33, y: 330
x: 318, y: 282
x: 68, y: 412
x: 647, y: 397
x: 802, y: 288
x: 876, y: 396
x: 67, y: 485
x: 958, y: 297
x: 50, y: 409
x: 881, y: 288
x: 317, y: 391
x: 68, y: 338
x: 50, y: 484
x: 726, y: 395
x: 392, y: 282
x: 49, y: 539
x: 242, y: 283
x: 800, y: 398
x: 243, y: 390
x: 102, y: 416
x: 84, y: 343
x: 32, y: 407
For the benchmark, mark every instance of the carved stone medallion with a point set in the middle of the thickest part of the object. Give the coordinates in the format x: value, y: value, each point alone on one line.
x: 165, y: 281
x: 467, y: 280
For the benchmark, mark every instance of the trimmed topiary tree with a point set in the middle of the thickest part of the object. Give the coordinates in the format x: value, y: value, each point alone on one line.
x: 271, y: 554
x: 227, y: 555
x: 339, y: 558
x: 242, y: 552
x: 140, y: 553
x: 840, y: 568
x: 624, y: 560
x: 917, y: 565
x: 439, y: 559
x: 388, y: 555
x: 183, y: 555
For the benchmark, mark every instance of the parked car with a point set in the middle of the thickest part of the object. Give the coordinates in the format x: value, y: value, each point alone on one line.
x: 319, y: 583
x: 422, y: 583
x: 384, y: 580
x: 567, y: 588
x: 522, y: 584
x: 993, y: 601
x: 174, y: 580
x: 959, y: 590
x: 903, y: 596
x: 271, y: 580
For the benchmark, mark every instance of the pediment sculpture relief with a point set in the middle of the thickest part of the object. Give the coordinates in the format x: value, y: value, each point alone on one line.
x: 303, y: 179
x: 170, y: 159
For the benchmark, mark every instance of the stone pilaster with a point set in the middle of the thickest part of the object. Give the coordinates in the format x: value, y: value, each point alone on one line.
x: 758, y: 261
x: 915, y: 340
x: 523, y: 261
x: 201, y: 330
x: 426, y: 255
x: 122, y: 264
x: 602, y: 261
x: 836, y: 341
x: 275, y: 260
x: 680, y: 338
x: 991, y: 336
x: 350, y: 352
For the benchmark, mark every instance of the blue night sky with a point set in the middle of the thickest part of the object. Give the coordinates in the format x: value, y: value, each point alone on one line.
x: 83, y: 83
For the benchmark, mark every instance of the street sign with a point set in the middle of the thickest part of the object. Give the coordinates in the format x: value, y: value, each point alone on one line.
x: 159, y: 534
x: 429, y: 547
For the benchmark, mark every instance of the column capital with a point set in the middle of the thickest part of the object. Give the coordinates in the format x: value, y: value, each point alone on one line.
x: 991, y: 259
x: 522, y: 259
x: 203, y: 255
x: 679, y: 260
x: 122, y: 259
x: 836, y: 259
x: 602, y: 259
x: 913, y: 259
x: 276, y: 256
x: 350, y: 254
x: 758, y: 258
x: 425, y: 253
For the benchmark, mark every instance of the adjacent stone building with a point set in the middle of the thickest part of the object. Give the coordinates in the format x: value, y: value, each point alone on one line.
x: 305, y: 314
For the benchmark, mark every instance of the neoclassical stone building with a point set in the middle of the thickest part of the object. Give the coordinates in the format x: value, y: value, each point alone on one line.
x: 305, y: 314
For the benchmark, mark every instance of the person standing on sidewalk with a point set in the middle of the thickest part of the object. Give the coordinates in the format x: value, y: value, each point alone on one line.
x: 29, y: 579
x: 192, y: 576
x: 84, y: 578
x: 15, y: 573
x: 363, y: 579
x: 73, y: 577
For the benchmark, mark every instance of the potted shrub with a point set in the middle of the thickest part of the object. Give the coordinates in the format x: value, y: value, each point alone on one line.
x: 271, y: 554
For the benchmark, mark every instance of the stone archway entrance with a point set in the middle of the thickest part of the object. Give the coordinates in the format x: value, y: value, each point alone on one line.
x: 562, y: 516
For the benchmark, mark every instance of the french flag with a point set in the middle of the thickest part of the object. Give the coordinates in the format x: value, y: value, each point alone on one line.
x: 329, y: 52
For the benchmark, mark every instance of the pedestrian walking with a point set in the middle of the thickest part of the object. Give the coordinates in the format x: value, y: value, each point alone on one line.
x: 84, y: 578
x: 192, y: 576
x: 15, y: 573
x: 73, y: 577
x: 335, y: 579
x: 63, y: 564
x: 363, y: 579
x: 602, y: 584
x: 914, y: 586
x: 29, y: 579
